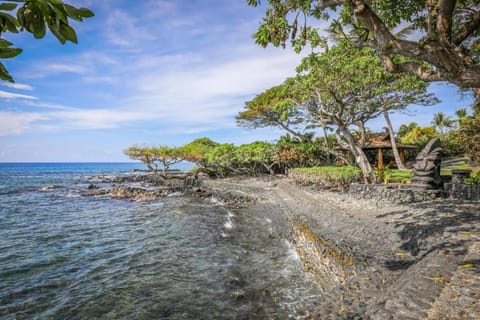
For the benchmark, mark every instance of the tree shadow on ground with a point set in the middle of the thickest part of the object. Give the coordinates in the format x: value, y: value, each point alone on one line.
x: 427, y: 227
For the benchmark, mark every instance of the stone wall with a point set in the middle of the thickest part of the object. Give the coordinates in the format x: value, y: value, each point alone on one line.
x: 457, y: 189
x: 393, y: 193
x: 454, y: 187
x: 463, y: 191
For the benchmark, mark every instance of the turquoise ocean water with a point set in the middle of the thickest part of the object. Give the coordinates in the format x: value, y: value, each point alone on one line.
x: 64, y: 255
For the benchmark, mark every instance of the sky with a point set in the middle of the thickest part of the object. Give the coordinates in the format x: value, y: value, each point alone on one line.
x: 151, y: 72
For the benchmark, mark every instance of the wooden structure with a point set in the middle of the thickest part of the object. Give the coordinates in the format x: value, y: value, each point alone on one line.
x: 381, y: 142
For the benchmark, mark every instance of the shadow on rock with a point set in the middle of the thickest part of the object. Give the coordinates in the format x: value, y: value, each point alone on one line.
x: 434, y: 226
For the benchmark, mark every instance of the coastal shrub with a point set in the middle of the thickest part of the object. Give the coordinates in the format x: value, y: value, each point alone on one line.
x: 387, y: 175
x: 399, y: 176
x: 473, y: 179
x: 327, y: 177
x: 383, y: 174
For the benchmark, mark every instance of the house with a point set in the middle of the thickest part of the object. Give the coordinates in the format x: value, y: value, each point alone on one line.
x: 379, y: 143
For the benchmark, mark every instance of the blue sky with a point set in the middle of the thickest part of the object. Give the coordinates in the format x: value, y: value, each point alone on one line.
x: 148, y: 72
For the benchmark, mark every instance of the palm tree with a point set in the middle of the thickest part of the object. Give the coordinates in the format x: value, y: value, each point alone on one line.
x: 442, y: 121
x: 461, y: 113
x: 404, y: 129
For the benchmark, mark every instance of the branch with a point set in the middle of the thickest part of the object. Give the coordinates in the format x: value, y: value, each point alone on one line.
x: 467, y: 30
x: 444, y: 20
x: 324, y: 4
x: 415, y: 68
x: 374, y: 24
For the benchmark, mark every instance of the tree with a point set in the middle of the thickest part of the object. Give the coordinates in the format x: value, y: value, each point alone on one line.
x: 347, y: 87
x: 404, y: 129
x: 274, y: 108
x: 448, y: 48
x: 167, y: 156
x: 469, y: 135
x: 34, y: 16
x: 197, y: 150
x: 222, y: 158
x: 442, y: 122
x: 419, y: 135
x: 396, y: 154
x: 152, y: 156
x: 144, y: 154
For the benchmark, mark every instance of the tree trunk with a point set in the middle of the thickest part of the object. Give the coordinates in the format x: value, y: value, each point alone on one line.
x: 396, y: 154
x: 360, y: 157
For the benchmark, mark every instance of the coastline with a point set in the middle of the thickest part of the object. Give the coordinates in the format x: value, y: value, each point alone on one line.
x: 416, y: 261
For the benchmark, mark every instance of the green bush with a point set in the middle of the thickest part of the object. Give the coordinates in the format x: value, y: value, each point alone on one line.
x: 474, y: 178
x: 400, y: 176
x: 328, y: 177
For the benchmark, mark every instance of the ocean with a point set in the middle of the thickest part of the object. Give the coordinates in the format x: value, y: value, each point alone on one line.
x: 64, y: 255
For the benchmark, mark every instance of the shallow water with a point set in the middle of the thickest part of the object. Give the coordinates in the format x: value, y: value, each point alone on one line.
x: 66, y: 256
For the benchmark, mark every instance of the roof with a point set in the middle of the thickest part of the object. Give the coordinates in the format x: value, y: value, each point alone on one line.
x: 382, y: 140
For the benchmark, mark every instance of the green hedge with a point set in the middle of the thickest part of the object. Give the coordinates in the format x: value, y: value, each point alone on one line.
x: 328, y: 177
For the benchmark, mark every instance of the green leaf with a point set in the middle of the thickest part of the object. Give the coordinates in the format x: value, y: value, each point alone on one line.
x: 72, y: 12
x: 60, y: 13
x: 8, y: 6
x: 9, y: 22
x: 4, y: 43
x: 86, y: 13
x: 55, y: 29
x: 68, y: 33
x: 4, y: 75
x: 6, y: 53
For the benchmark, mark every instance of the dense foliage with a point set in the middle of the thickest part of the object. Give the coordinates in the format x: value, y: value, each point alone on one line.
x: 445, y: 46
x: 473, y: 179
x: 342, y: 88
x: 327, y: 177
x: 34, y: 16
x: 227, y: 159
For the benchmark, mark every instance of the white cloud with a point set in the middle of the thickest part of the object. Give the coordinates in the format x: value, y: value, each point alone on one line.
x: 71, y: 68
x: 16, y: 123
x: 10, y: 95
x: 17, y: 86
x: 123, y: 30
x: 46, y: 105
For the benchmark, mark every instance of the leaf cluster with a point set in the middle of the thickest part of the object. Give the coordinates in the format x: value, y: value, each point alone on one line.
x: 35, y: 16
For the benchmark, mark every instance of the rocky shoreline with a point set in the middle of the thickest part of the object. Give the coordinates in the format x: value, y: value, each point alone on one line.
x: 415, y: 261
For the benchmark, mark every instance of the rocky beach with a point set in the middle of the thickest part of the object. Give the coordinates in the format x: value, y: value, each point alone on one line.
x: 416, y: 261
x: 410, y: 261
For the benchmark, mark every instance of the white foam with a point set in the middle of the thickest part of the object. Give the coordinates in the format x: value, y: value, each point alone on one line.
x: 71, y: 195
x: 229, y: 224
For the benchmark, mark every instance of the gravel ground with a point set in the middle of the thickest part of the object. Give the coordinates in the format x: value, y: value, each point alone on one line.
x: 418, y: 261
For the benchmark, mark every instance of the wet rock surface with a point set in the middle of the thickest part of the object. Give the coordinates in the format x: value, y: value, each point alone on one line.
x: 415, y: 261
x: 140, y: 187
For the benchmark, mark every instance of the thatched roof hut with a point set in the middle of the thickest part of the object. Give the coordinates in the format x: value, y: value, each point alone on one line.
x: 381, y: 142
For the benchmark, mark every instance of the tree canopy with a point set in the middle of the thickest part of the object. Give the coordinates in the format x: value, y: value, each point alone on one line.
x: 446, y: 46
x: 35, y: 16
x: 343, y: 87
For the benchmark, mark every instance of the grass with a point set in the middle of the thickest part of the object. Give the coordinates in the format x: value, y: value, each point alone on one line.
x: 327, y: 177
x: 400, y: 176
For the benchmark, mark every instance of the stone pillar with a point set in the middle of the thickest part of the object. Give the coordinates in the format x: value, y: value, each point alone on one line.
x: 459, y: 189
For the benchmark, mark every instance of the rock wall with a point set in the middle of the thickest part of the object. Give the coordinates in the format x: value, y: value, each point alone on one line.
x: 454, y: 187
x: 393, y: 193
x: 463, y: 191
